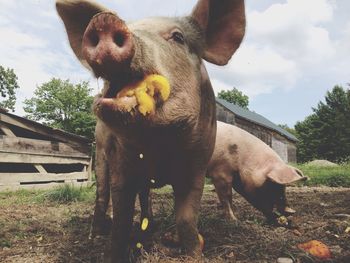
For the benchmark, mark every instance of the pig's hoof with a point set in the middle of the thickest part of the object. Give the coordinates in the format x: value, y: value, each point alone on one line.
x: 100, y: 228
x: 171, y: 239
x: 231, y: 217
x: 289, y: 211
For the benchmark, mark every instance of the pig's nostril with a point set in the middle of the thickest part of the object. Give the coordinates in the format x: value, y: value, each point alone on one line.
x: 119, y: 39
x: 94, y: 39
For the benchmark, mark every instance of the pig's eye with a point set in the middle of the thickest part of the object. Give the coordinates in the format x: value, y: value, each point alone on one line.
x: 178, y: 37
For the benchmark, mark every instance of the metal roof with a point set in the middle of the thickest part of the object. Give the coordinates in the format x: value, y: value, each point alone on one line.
x: 255, y: 118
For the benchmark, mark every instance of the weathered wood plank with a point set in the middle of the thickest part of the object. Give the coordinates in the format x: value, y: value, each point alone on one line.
x: 7, y: 131
x: 25, y: 145
x: 89, y: 170
x: 15, y: 178
x: 15, y: 187
x: 41, y: 129
x: 6, y: 157
x: 40, y: 168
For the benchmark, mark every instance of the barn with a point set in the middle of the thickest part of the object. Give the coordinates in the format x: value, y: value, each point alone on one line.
x: 35, y: 155
x: 283, y: 142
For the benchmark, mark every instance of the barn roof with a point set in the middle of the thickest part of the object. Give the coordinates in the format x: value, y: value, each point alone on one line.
x: 255, y: 118
x: 40, y: 128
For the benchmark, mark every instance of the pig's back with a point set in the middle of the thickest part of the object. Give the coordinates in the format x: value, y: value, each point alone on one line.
x: 244, y: 152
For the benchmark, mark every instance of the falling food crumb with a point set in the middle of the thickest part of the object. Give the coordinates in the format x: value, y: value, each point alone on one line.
x: 139, y: 245
x: 201, y: 241
x: 347, y: 230
x: 153, y: 181
x: 141, y: 156
x: 144, y: 224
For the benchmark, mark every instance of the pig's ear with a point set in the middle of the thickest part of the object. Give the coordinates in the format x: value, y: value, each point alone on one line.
x: 286, y: 175
x: 76, y: 15
x: 223, y: 23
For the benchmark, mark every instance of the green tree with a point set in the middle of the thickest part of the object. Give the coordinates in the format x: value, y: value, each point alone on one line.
x: 235, y: 96
x: 326, y: 133
x: 63, y: 105
x: 8, y: 86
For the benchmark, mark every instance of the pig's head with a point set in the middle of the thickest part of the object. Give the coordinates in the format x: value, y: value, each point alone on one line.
x: 124, y: 53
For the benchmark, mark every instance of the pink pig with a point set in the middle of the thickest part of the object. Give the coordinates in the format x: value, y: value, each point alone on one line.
x: 245, y: 163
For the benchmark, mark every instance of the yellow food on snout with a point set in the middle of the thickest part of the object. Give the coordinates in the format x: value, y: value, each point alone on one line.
x: 144, y: 91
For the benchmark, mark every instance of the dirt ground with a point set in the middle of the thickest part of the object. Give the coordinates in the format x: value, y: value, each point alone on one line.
x: 51, y: 232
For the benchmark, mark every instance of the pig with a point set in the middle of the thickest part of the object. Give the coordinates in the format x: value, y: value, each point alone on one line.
x: 245, y: 163
x: 174, y: 143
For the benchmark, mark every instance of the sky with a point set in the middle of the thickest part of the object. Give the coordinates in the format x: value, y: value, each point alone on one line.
x: 292, y: 53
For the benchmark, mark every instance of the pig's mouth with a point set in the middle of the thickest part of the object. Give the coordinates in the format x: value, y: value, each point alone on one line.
x: 140, y: 96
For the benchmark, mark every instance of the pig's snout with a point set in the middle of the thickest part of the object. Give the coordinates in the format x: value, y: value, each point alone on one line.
x: 108, y: 45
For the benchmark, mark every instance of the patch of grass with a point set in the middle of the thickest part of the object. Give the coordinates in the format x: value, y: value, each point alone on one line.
x: 163, y: 190
x: 61, y: 194
x: 334, y: 176
x: 5, y: 243
x: 67, y: 194
x: 165, y: 216
x: 22, y: 196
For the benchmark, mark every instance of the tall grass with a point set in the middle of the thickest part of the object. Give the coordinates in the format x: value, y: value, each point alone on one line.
x: 334, y: 176
x: 61, y: 194
x: 67, y: 193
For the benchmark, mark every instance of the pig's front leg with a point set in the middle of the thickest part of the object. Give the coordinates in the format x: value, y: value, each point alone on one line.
x: 101, y: 222
x: 146, y: 218
x: 282, y: 203
x: 123, y: 199
x: 187, y: 202
x: 123, y: 188
x: 146, y: 206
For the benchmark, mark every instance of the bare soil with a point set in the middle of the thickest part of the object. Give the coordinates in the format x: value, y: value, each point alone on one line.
x: 51, y: 232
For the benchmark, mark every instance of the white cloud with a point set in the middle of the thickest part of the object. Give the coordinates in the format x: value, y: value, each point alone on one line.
x: 294, y: 29
x: 15, y: 40
x: 35, y: 63
x: 7, y: 3
x: 3, y: 21
x: 219, y: 85
x: 283, y: 44
x: 256, y: 70
x: 280, y: 18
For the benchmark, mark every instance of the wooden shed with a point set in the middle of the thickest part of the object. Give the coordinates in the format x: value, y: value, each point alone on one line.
x: 283, y: 142
x: 35, y: 155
